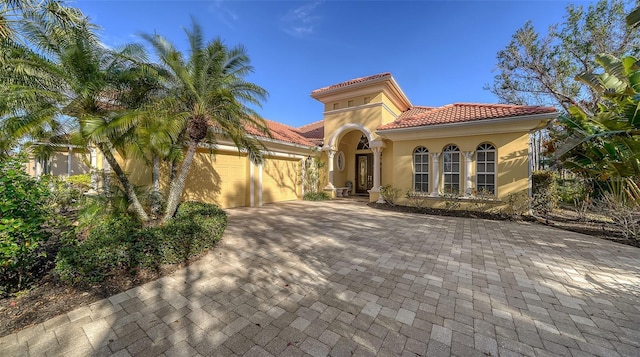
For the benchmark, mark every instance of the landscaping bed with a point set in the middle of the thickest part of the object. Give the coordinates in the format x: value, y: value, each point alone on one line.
x: 593, y: 225
x: 113, y: 256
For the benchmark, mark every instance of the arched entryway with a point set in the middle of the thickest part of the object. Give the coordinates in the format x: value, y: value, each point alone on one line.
x: 354, y: 160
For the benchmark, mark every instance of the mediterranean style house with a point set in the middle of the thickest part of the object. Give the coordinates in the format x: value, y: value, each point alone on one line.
x: 371, y: 136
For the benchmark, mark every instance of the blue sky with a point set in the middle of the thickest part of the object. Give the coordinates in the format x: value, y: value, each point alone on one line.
x: 438, y: 52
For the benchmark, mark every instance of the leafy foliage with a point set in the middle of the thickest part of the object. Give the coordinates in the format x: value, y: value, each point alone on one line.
x: 538, y: 69
x: 123, y: 244
x: 23, y: 214
x: 316, y: 196
x: 390, y: 194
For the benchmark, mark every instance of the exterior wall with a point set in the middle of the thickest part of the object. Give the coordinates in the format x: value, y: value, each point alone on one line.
x: 58, y: 163
x: 387, y: 164
x: 281, y: 180
x: 140, y: 172
x: 369, y: 117
x: 512, y: 161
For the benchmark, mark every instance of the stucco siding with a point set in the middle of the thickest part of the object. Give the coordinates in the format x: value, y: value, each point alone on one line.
x: 512, y: 161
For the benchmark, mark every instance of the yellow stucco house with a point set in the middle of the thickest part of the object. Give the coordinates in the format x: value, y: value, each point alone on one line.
x: 372, y: 136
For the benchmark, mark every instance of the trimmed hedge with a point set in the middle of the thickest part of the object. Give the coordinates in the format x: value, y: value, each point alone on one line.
x: 123, y: 244
x: 544, y: 191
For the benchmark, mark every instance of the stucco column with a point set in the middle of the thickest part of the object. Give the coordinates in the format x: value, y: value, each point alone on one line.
x: 303, y: 162
x: 435, y: 158
x: 69, y: 155
x: 38, y: 167
x: 260, y: 185
x: 468, y: 155
x: 377, y: 153
x: 330, y: 154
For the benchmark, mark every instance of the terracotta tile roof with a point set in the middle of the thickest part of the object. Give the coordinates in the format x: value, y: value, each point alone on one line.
x: 351, y: 82
x: 282, y: 132
x: 461, y: 112
x: 313, y: 131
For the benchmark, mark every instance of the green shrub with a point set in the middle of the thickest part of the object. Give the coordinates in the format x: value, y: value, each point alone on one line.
x: 390, y: 194
x: 64, y: 196
x: 316, y: 196
x: 121, y: 243
x: 82, y: 181
x: 23, y: 214
x: 108, y: 246
x: 570, y: 191
x: 544, y: 192
x: 195, y: 228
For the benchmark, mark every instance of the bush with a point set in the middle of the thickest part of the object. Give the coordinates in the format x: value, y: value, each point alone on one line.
x: 625, y: 214
x: 417, y: 199
x: 81, y: 181
x: 518, y: 204
x: 195, y: 228
x: 109, y: 246
x: 316, y: 196
x: 570, y: 191
x: 390, y: 194
x: 23, y: 215
x: 121, y: 243
x: 544, y: 192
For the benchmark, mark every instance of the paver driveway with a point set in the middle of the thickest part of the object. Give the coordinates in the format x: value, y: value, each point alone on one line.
x: 341, y: 278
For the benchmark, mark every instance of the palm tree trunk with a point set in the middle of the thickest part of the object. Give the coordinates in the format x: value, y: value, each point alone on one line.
x: 177, y: 186
x: 126, y: 184
x: 156, y: 185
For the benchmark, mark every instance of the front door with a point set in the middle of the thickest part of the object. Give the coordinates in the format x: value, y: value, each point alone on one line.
x: 364, y: 172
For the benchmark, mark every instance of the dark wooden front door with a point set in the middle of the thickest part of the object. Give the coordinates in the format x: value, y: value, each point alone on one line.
x: 364, y: 172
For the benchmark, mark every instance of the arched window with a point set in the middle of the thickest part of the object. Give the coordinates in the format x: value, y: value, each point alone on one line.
x: 451, y: 169
x: 421, y: 169
x: 363, y: 144
x: 486, y: 168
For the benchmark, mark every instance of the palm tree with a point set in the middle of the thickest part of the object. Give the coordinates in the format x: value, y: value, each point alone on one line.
x: 74, y: 76
x: 208, y: 94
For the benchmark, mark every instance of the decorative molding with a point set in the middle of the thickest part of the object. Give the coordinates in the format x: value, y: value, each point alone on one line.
x: 363, y: 106
x: 334, y: 137
x: 340, y: 161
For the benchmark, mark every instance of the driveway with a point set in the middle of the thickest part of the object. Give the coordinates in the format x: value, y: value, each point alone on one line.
x: 340, y: 278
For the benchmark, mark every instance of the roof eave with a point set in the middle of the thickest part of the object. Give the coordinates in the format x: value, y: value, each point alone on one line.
x: 541, y: 116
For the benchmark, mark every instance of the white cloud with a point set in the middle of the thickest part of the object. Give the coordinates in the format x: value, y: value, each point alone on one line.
x: 301, y: 21
x: 226, y: 15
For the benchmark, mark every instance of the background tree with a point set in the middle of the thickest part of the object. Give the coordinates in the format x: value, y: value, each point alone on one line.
x: 541, y: 69
x: 207, y: 92
x: 606, y: 145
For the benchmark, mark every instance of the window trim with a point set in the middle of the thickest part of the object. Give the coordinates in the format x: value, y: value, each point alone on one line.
x: 450, y: 150
x: 424, y: 153
x: 482, y: 148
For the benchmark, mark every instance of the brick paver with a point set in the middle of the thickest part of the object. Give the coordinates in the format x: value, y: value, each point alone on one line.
x: 340, y: 278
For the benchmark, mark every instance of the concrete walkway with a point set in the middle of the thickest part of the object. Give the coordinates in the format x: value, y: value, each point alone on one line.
x: 339, y: 278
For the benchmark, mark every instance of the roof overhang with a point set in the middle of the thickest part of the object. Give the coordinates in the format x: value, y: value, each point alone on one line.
x: 525, y: 123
